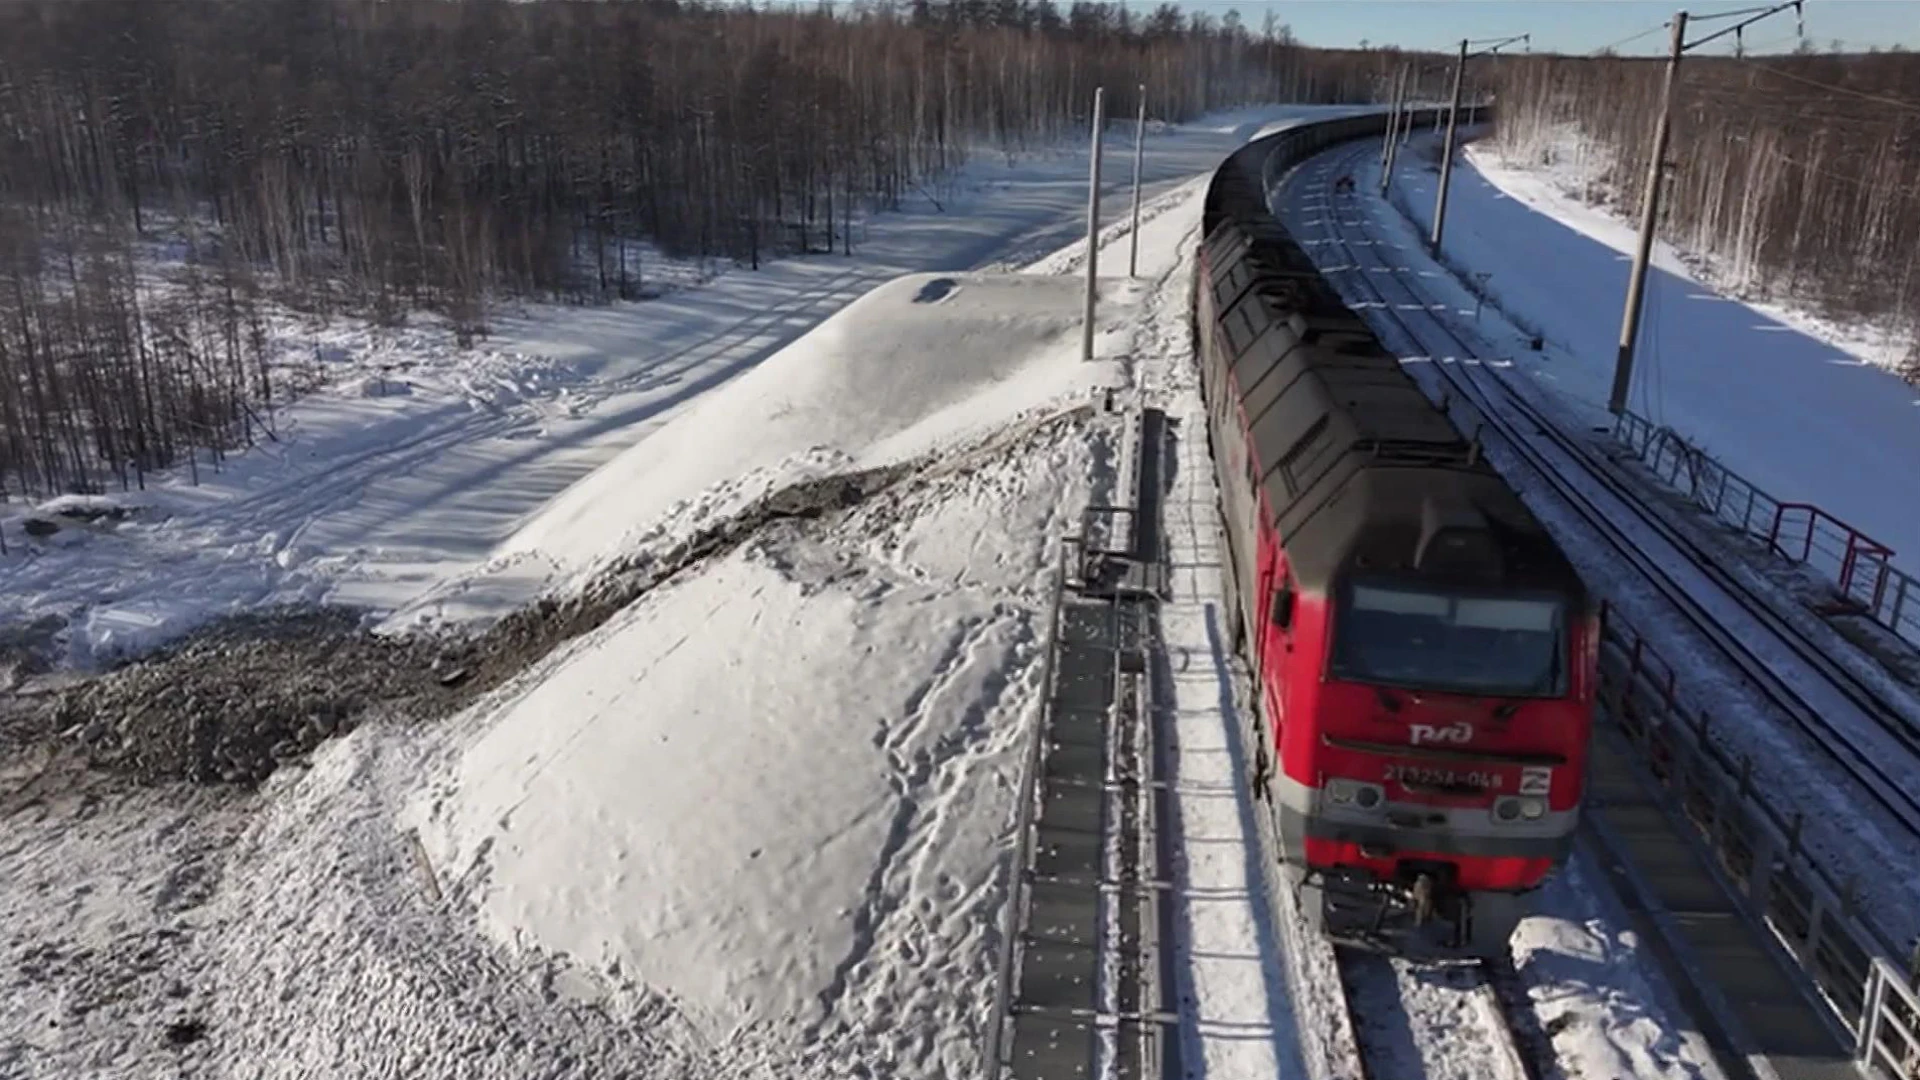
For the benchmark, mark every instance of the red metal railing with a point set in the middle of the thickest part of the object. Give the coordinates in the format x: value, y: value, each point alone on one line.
x: 1801, y: 533
x: 1849, y: 557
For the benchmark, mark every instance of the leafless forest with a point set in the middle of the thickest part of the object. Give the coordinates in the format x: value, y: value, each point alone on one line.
x: 380, y: 158
x: 1798, y: 176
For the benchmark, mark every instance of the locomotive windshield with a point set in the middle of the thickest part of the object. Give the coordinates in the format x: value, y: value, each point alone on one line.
x: 1499, y: 645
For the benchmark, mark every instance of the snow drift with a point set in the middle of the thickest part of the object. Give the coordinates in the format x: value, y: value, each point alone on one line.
x: 919, y: 361
x: 774, y: 792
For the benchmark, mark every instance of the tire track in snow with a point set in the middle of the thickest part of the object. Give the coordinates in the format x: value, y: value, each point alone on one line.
x: 294, y: 499
x: 350, y: 476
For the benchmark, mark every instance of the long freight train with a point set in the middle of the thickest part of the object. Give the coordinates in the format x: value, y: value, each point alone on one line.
x: 1424, y: 654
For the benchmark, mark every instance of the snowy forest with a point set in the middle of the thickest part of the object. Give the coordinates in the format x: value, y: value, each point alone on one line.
x: 1795, y: 176
x: 378, y: 158
x: 173, y: 174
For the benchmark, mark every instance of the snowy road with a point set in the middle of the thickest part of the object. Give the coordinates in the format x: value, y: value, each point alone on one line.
x: 1818, y: 716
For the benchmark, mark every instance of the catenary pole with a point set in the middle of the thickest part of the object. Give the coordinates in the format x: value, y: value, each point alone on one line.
x: 1402, y: 118
x: 1650, y: 203
x: 1414, y: 86
x: 1393, y: 116
x: 1446, y: 155
x: 1649, y: 214
x: 1139, y: 157
x: 1093, y: 223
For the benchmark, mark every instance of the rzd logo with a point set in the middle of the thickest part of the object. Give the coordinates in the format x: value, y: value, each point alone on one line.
x: 1453, y: 733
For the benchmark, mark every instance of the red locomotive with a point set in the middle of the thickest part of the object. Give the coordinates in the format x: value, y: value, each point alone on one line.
x: 1424, y: 654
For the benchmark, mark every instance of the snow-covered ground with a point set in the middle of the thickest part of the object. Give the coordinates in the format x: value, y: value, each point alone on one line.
x: 418, y: 462
x: 753, y: 821
x: 893, y: 374
x: 1799, y: 406
x: 1560, y: 177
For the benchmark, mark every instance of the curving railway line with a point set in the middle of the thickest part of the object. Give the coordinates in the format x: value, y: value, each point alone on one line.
x: 1866, y: 734
x: 1871, y: 738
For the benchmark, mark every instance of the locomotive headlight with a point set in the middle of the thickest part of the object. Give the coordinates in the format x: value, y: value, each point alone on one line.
x: 1520, y: 808
x: 1342, y: 792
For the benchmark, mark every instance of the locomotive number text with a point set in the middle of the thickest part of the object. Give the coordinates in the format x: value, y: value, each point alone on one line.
x: 1429, y: 777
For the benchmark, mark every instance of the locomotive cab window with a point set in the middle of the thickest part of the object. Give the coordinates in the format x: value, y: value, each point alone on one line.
x: 1498, y: 644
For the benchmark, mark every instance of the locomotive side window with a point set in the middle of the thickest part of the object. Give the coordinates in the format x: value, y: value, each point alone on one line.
x: 1282, y: 613
x: 1497, y: 644
x: 1303, y: 461
x: 1240, y: 331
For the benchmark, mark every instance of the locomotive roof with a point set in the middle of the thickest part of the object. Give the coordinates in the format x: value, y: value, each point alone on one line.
x: 1360, y: 470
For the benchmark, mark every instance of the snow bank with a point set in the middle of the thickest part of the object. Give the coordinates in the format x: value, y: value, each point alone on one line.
x: 923, y: 360
x: 1561, y: 174
x: 774, y: 792
x: 1600, y: 994
x: 713, y: 811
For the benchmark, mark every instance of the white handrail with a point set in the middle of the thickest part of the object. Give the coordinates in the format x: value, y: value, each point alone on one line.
x: 1887, y: 1045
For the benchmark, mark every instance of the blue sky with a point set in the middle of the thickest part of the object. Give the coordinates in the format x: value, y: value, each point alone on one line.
x: 1569, y: 25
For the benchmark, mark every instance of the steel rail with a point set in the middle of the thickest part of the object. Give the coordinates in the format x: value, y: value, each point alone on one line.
x: 1863, y: 764
x: 1493, y: 989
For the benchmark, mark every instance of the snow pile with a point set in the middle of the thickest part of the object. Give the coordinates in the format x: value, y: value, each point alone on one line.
x: 920, y: 361
x: 774, y: 791
x: 1598, y: 994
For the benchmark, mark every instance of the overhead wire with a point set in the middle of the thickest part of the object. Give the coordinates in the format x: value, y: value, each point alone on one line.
x: 1630, y: 39
x: 1712, y: 15
x: 1898, y: 103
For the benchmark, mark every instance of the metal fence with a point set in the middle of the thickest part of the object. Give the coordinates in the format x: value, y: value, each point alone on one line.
x: 1815, y: 917
x: 1888, y: 1043
x: 1859, y: 566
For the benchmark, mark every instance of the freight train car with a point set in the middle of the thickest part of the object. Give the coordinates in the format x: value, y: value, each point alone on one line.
x: 1424, y: 654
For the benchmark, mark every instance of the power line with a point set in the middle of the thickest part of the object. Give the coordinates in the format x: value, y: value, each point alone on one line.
x: 1897, y: 103
x: 1795, y: 112
x: 1630, y: 39
x: 1710, y: 16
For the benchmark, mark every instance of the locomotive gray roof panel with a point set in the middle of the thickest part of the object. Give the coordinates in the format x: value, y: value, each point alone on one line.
x: 1353, y: 459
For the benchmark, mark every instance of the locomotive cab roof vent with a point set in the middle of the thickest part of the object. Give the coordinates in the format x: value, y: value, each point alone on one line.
x: 1455, y: 538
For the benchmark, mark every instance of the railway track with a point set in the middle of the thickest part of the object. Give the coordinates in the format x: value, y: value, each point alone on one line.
x: 1866, y: 734
x: 1452, y: 1022
x: 1086, y: 985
